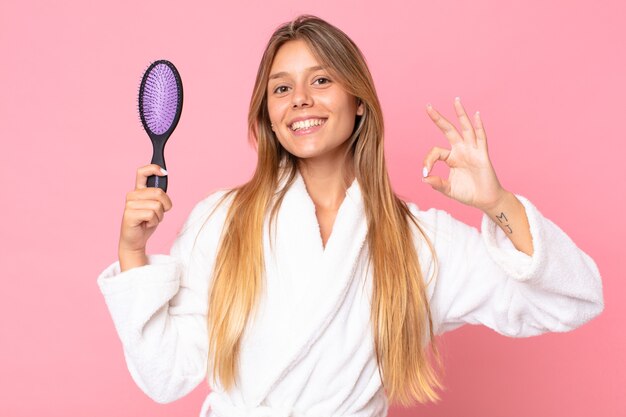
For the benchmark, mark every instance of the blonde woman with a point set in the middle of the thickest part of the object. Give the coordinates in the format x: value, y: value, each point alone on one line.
x: 312, y: 289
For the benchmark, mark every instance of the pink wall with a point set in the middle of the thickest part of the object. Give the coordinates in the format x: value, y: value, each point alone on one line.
x: 547, y: 77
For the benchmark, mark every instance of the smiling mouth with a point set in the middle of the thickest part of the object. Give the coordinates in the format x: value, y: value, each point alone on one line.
x: 306, y: 124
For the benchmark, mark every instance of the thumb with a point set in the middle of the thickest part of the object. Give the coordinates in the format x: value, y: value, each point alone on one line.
x: 437, y: 183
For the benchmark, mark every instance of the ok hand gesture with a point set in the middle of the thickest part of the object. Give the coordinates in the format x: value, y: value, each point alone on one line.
x: 472, y: 179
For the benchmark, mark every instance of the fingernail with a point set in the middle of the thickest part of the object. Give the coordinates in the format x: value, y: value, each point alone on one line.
x: 458, y: 99
x: 429, y: 105
x: 163, y: 171
x: 424, y: 172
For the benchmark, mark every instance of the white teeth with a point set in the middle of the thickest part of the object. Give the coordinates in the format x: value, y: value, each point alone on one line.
x: 304, y: 124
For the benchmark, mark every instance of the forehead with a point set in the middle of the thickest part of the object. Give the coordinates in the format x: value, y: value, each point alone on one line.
x: 293, y: 56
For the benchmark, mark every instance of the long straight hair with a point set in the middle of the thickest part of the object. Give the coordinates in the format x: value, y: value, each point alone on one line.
x: 400, y: 313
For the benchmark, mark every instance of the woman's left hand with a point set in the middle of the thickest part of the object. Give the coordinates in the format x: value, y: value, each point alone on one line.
x: 472, y: 179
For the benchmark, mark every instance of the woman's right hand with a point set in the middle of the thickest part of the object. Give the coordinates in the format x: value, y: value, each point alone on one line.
x: 145, y: 207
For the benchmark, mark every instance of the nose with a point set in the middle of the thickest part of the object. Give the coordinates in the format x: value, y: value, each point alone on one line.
x: 301, y: 97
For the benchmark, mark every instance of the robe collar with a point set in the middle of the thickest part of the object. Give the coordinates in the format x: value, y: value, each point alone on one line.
x: 305, y: 285
x: 299, y: 197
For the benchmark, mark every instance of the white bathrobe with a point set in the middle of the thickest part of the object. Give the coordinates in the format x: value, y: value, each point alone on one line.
x: 309, y: 351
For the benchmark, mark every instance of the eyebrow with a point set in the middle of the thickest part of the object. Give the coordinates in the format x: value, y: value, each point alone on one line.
x: 283, y: 73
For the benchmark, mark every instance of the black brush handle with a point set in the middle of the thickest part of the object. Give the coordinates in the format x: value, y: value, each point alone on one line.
x: 158, y: 144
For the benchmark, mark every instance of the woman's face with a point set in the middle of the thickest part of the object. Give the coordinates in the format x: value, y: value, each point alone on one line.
x: 313, y: 116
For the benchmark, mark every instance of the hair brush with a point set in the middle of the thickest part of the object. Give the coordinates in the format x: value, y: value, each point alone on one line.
x: 160, y: 105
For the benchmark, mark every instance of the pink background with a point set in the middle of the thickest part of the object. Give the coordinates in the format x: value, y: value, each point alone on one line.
x: 547, y: 77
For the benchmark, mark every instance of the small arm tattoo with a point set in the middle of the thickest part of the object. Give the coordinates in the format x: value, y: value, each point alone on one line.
x: 503, y: 216
x: 510, y: 213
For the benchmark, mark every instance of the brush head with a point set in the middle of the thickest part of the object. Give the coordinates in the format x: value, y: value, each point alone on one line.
x: 160, y: 98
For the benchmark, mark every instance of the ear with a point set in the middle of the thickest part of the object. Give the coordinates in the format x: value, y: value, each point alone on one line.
x: 361, y: 107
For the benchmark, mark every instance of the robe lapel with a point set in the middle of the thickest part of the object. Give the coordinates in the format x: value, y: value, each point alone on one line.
x: 305, y: 286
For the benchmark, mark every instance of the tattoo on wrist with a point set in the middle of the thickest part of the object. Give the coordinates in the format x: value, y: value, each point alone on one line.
x: 506, y: 221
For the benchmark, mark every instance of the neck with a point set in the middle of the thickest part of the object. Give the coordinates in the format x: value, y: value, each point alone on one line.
x: 326, y: 182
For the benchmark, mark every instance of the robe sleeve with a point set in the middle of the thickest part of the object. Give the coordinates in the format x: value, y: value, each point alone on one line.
x: 484, y: 279
x: 159, y: 310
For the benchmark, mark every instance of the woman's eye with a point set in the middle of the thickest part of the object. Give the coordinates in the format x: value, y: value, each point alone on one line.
x: 279, y: 89
x: 323, y: 80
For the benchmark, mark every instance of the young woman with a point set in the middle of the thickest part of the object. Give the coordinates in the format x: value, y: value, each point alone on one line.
x: 313, y: 290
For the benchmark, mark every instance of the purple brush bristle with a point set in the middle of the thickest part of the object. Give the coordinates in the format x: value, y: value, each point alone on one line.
x: 160, y: 99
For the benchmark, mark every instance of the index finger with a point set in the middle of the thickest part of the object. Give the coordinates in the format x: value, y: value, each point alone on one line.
x: 144, y: 172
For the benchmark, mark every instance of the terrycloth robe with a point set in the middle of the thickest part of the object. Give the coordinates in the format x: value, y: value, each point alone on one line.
x: 310, y: 351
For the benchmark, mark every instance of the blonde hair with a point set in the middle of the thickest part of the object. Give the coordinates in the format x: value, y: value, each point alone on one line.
x: 400, y: 313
